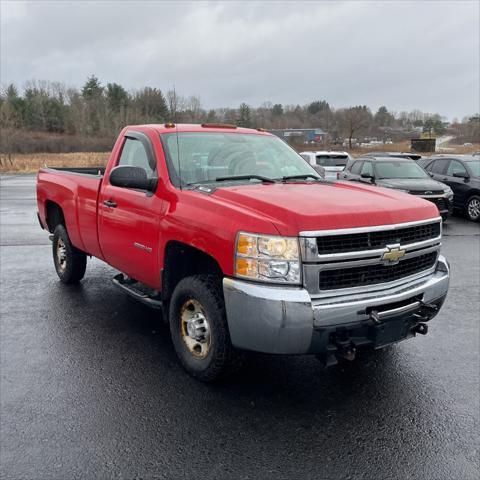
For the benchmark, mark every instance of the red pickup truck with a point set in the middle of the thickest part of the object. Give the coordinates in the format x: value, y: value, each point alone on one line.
x: 242, y: 246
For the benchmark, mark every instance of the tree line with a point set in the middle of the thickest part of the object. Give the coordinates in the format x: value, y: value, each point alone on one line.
x: 91, y: 117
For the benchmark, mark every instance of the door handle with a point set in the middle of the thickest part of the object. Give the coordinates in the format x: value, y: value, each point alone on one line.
x: 110, y: 203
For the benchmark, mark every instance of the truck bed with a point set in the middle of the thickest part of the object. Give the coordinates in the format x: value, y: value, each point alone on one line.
x: 75, y: 190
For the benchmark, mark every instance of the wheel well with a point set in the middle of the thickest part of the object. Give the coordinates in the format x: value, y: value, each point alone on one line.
x: 473, y: 193
x: 182, y: 261
x: 54, y: 215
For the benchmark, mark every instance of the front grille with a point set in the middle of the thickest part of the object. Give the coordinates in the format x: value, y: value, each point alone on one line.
x: 373, y: 240
x: 372, y: 274
x: 426, y: 192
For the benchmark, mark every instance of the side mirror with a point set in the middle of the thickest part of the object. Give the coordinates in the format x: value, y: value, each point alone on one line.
x: 460, y: 175
x: 127, y: 176
x: 367, y: 176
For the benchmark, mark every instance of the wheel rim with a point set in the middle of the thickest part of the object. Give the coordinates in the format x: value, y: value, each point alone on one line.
x: 61, y: 255
x: 474, y: 208
x: 195, y: 329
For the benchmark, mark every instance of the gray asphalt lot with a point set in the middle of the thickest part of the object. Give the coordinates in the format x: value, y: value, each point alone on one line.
x: 91, y: 388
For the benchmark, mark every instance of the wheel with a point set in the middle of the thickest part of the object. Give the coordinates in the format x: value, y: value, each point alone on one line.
x: 199, y: 329
x: 472, y: 208
x: 70, y: 263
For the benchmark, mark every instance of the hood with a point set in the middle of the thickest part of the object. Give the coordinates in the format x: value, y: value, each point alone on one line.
x: 296, y: 207
x: 412, y: 184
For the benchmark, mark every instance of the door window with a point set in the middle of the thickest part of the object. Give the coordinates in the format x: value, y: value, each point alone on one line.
x: 135, y: 155
x: 367, y: 168
x: 438, y: 166
x: 455, y: 167
x: 356, y: 167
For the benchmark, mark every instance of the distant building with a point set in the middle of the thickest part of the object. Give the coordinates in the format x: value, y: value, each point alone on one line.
x: 304, y: 135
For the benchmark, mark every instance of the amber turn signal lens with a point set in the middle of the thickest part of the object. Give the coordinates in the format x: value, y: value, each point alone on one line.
x: 246, y: 267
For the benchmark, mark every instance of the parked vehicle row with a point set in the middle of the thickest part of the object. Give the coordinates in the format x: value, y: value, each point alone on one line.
x: 452, y: 182
x: 401, y: 174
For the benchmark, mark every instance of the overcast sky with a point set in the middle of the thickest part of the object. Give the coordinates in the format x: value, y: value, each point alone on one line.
x: 402, y: 54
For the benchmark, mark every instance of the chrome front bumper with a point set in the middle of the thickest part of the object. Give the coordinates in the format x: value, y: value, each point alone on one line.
x: 287, y: 320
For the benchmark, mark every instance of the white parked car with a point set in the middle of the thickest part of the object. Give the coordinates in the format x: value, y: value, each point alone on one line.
x: 330, y: 162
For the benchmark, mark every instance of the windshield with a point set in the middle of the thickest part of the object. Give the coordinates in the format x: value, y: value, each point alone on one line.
x: 396, y: 169
x: 474, y: 167
x: 332, y: 160
x: 203, y: 157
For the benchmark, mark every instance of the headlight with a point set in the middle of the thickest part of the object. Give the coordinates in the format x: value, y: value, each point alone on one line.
x: 449, y: 193
x: 267, y: 258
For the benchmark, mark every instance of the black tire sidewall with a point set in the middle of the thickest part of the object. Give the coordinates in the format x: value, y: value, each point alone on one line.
x: 76, y: 260
x: 477, y: 197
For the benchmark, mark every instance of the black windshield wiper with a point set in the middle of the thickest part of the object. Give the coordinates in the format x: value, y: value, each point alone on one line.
x: 245, y: 177
x: 301, y: 177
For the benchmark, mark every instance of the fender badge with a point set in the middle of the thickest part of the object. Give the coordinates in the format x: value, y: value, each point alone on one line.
x: 142, y: 247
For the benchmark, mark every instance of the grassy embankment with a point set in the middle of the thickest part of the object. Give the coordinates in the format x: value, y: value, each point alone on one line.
x: 31, y: 162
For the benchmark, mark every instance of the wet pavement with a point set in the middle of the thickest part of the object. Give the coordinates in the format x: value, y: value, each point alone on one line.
x: 91, y: 388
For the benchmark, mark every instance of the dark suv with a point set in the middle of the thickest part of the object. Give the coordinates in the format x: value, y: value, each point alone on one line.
x: 402, y: 174
x: 462, y: 174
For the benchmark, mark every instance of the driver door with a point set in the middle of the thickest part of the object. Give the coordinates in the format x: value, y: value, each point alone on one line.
x: 128, y: 226
x: 459, y: 185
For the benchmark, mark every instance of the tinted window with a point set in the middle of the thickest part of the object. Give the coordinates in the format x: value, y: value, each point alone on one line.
x: 438, y: 166
x: 474, y: 167
x: 331, y: 161
x: 356, y: 167
x: 367, y: 168
x: 134, y: 154
x: 399, y: 169
x: 456, y: 167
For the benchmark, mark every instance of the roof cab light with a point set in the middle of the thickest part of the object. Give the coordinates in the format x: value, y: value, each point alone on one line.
x: 218, y: 125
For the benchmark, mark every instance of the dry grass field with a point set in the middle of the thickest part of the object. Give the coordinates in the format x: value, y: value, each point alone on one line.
x: 31, y: 162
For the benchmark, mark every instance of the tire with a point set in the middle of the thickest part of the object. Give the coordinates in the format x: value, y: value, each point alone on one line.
x: 472, y: 208
x: 199, y: 329
x: 70, y: 263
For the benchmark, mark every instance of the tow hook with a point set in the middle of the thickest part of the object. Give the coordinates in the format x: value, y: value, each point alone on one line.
x: 427, y: 311
x: 375, y: 317
x: 421, y: 328
x: 345, y: 349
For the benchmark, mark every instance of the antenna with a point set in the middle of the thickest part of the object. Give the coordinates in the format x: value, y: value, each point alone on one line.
x: 176, y: 131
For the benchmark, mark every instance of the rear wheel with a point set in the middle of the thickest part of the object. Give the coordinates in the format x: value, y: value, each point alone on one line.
x: 70, y: 263
x: 472, y: 208
x: 199, y: 329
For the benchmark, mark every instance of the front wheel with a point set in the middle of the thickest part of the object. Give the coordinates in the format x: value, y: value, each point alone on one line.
x: 199, y: 329
x: 473, y: 208
x: 70, y: 263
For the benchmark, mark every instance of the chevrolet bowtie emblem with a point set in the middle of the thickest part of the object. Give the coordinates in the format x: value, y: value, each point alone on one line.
x: 393, y: 255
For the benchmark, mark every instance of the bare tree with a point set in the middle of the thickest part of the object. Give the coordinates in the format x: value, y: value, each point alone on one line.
x: 355, y: 119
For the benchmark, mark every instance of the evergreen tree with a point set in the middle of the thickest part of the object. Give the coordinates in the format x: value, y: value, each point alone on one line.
x: 244, y: 117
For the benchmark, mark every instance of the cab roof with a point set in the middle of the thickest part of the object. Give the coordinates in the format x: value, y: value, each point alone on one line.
x: 170, y: 127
